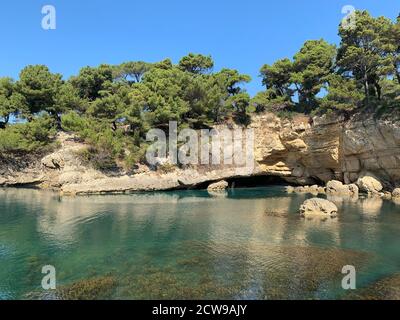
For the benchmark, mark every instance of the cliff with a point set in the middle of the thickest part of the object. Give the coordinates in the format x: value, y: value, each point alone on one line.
x: 306, y: 152
x: 301, y: 151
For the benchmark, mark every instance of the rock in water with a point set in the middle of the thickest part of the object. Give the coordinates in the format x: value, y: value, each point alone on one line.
x: 335, y: 187
x: 396, y: 193
x: 218, y: 186
x: 317, y: 207
x: 369, y: 184
x: 289, y: 189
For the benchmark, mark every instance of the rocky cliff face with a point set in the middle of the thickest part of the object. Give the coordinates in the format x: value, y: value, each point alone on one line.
x: 306, y: 152
x: 301, y: 151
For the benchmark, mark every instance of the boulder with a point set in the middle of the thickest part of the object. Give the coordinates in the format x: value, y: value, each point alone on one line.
x: 301, y: 190
x: 336, y: 188
x: 387, y: 195
x: 53, y: 161
x: 218, y: 186
x: 396, y: 193
x: 314, y: 189
x: 317, y: 207
x: 289, y: 189
x: 369, y: 184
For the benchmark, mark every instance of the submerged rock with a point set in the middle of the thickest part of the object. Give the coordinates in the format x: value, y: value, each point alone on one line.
x: 218, y: 186
x: 317, y: 207
x: 99, y: 288
x: 384, y: 289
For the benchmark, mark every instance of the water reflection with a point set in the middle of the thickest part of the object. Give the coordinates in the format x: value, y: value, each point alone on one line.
x: 190, y: 244
x: 371, y: 206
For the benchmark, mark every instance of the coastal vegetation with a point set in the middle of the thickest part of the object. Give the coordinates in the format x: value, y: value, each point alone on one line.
x: 111, y: 107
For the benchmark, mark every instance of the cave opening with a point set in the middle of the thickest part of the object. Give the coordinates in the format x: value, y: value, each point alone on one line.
x: 249, y: 182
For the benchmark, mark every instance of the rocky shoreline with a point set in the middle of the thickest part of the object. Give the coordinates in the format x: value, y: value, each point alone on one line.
x: 300, y: 152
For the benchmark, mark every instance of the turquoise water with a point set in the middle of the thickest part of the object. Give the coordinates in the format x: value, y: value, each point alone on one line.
x: 246, y: 244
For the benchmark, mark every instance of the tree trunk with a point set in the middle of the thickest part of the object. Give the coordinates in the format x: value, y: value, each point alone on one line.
x: 58, y: 121
x: 398, y: 76
x: 366, y: 88
x: 378, y: 90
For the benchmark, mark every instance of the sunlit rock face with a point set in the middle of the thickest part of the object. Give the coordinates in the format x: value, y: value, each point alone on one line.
x: 305, y: 151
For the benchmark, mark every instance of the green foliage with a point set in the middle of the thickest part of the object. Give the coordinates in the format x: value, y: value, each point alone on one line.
x: 117, y: 114
x: 131, y: 72
x: 91, y: 81
x: 230, y: 80
x: 27, y: 137
x: 277, y: 79
x: 110, y: 106
x: 391, y: 95
x: 39, y: 88
x: 312, y: 64
x: 362, y: 52
x: 344, y: 94
x: 68, y: 99
x: 106, y: 145
x: 11, y: 102
x: 196, y: 63
x: 356, y: 75
x: 269, y: 100
x: 305, y: 76
x: 73, y: 122
x: 240, y: 105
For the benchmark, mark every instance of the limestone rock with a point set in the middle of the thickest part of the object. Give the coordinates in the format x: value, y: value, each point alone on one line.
x: 314, y: 189
x: 369, y: 184
x: 70, y: 177
x: 218, y: 186
x: 396, y: 193
x: 53, y: 161
x: 387, y: 195
x: 337, y: 188
x: 317, y: 207
x: 289, y: 189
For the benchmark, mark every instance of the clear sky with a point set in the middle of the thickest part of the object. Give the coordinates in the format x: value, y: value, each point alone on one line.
x: 238, y: 34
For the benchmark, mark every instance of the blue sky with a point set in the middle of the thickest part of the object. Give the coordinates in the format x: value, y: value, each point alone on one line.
x: 238, y: 34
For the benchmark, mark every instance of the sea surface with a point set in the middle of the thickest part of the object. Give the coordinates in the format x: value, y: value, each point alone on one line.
x: 242, y: 244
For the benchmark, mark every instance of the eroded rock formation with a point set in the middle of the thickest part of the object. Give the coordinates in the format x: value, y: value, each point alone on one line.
x: 317, y: 207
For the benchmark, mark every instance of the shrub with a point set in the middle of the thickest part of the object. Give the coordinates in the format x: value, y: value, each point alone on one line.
x: 74, y: 122
x: 27, y: 137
